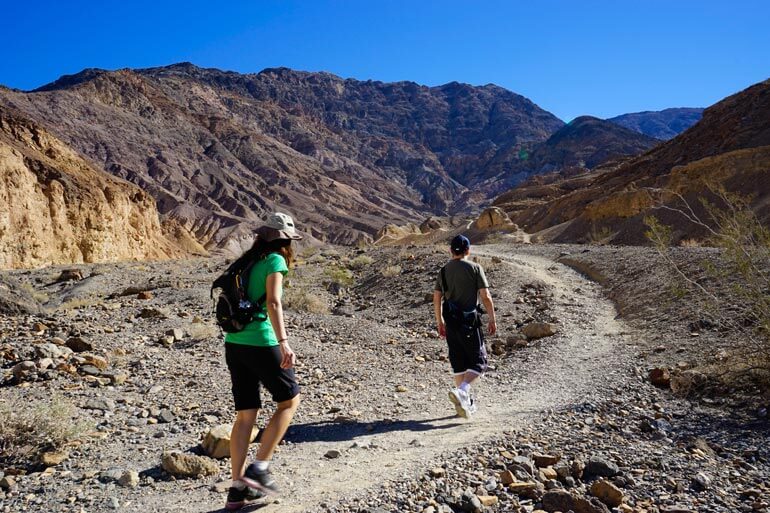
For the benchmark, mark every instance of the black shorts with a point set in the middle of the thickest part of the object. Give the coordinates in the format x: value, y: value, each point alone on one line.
x: 251, y: 365
x: 466, y: 349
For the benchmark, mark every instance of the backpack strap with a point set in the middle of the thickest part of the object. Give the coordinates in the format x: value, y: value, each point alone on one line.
x: 443, y: 280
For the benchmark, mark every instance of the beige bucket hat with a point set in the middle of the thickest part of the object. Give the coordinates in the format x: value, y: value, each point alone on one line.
x: 278, y: 226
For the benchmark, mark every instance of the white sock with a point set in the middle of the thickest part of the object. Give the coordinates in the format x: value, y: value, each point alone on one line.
x: 239, y: 485
x: 261, y: 465
x: 465, y: 387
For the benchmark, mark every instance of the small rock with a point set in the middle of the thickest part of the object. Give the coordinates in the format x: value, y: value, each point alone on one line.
x: 144, y: 295
x: 216, y: 442
x: 102, y: 404
x: 24, y: 369
x: 53, y: 458
x: 437, y: 472
x: 70, y: 275
x: 7, y: 483
x: 188, y: 465
x: 545, y: 460
x: 507, y: 477
x: 701, y: 482
x: 608, y: 493
x: 488, y: 500
x: 599, y: 467
x: 536, y: 330
x: 332, y: 454
x: 175, y: 333
x: 129, y: 479
x: 401, y: 388
x: 660, y: 377
x: 79, y: 344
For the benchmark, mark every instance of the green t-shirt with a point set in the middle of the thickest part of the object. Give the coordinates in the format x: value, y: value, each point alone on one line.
x: 259, y: 333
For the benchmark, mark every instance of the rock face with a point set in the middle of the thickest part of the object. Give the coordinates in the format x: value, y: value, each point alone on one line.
x: 664, y: 124
x: 491, y: 218
x: 56, y: 208
x: 585, y: 143
x: 729, y: 147
x: 219, y: 149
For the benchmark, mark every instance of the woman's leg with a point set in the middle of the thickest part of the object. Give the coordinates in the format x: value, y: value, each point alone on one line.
x: 240, y: 438
x: 276, y: 428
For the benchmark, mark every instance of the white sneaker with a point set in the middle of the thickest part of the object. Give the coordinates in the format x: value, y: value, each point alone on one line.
x: 460, y: 401
x: 472, y: 405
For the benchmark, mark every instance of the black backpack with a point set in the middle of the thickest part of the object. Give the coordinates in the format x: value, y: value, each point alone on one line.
x: 232, y: 307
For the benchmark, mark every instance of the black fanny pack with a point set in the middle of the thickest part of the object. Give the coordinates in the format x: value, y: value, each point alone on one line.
x: 455, y: 315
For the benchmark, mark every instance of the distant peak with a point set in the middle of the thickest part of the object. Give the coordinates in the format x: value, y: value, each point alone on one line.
x: 69, y: 81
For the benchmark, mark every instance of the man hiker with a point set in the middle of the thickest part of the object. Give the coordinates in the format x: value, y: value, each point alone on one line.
x: 459, y: 286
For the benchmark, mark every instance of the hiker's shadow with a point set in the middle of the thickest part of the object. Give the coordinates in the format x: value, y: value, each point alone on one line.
x: 245, y: 509
x: 335, y: 431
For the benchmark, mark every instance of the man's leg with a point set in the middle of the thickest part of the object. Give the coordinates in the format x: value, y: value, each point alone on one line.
x: 240, y: 438
x: 276, y: 428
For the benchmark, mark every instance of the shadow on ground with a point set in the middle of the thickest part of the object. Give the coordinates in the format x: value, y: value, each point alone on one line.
x: 331, y: 431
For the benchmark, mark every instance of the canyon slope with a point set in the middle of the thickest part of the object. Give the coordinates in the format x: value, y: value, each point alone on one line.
x: 56, y: 208
x: 728, y: 148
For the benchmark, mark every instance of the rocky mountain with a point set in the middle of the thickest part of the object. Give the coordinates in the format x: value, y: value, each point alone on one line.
x: 56, y: 208
x: 664, y: 124
x: 219, y: 149
x: 587, y: 142
x: 729, y: 147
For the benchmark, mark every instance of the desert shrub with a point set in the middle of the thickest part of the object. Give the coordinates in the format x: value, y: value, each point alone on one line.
x: 340, y: 275
x: 302, y: 300
x: 28, y: 429
x: 391, y: 271
x: 40, y: 297
x: 360, y: 262
x: 732, y: 286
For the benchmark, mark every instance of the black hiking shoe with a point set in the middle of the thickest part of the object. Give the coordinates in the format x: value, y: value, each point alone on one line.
x: 260, y: 479
x: 237, y: 498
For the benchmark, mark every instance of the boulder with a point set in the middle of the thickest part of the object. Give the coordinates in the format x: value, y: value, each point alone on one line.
x: 70, y: 275
x: 536, y: 330
x: 23, y: 370
x: 216, y: 442
x: 188, y: 465
x: 607, y: 492
x: 599, y: 467
x: 493, y: 217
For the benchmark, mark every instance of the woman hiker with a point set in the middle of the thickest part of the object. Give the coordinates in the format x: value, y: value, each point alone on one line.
x: 260, y: 355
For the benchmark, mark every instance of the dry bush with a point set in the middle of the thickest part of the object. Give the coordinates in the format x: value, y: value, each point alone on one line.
x: 40, y: 297
x: 391, y: 271
x: 28, y: 429
x: 340, y: 275
x: 732, y: 287
x: 301, y: 300
x: 360, y: 262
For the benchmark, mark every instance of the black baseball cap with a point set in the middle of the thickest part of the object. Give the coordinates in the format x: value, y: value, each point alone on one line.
x: 460, y: 244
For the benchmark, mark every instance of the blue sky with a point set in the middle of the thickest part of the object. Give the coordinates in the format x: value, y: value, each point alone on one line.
x: 602, y: 58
